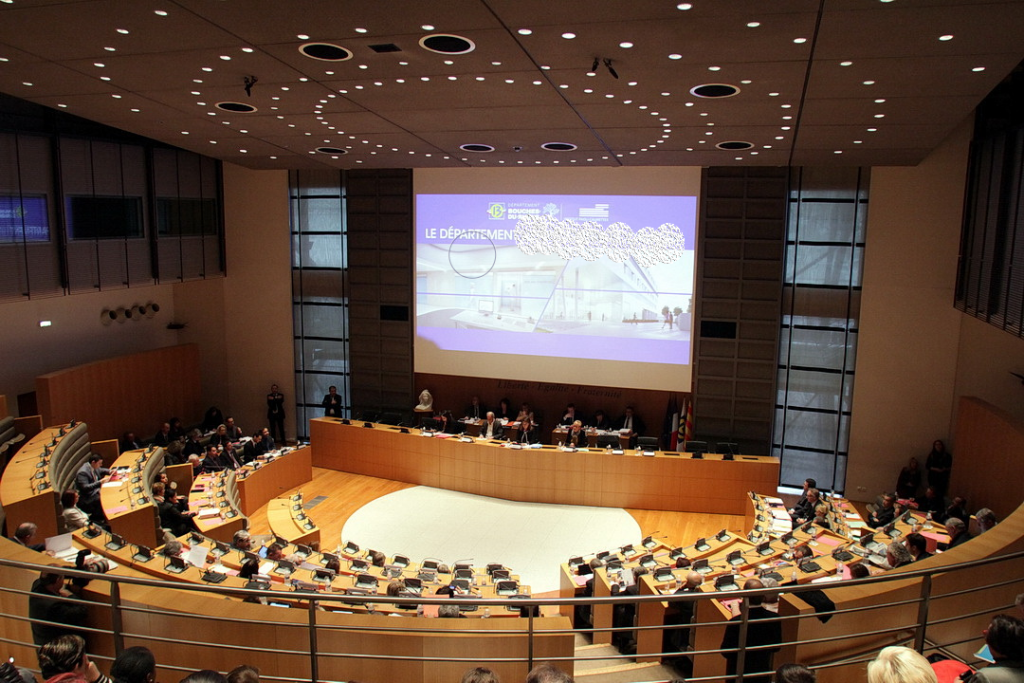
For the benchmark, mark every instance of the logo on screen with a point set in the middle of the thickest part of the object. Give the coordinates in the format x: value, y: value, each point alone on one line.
x: 496, y: 211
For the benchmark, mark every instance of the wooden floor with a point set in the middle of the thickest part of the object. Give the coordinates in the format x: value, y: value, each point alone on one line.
x: 345, y: 493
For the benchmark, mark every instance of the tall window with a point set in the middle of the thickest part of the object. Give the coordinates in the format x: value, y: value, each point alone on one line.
x: 319, y: 291
x: 821, y: 309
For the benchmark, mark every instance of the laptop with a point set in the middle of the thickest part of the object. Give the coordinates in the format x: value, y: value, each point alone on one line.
x: 506, y: 587
x: 366, y: 581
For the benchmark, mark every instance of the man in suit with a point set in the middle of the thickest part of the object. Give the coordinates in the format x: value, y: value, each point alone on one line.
x: 27, y: 534
x: 91, y: 476
x: 570, y: 415
x: 212, y: 461
x: 630, y: 424
x: 491, y: 428
x: 171, y: 516
x: 884, y: 514
x: 475, y: 409
x: 252, y: 448
x: 758, y: 634
x: 332, y: 402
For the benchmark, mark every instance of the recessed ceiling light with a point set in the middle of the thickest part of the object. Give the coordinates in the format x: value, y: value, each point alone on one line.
x: 160, y: 13
x: 773, y: 94
x: 226, y: 58
x: 675, y: 55
x: 872, y: 130
x: 753, y: 24
x: 427, y: 27
x: 780, y: 137
x: 116, y: 97
x: 869, y: 82
x: 684, y: 6
x: 625, y: 44
x: 879, y: 116
x: 123, y: 31
x: 207, y: 69
x: 105, y: 78
x: 450, y: 78
x: 537, y: 82
x: 495, y: 63
x: 978, y: 68
x: 746, y: 81
x: 786, y: 106
x: 568, y: 35
x: 857, y: 142
x: 99, y: 64
x: 947, y: 37
x: 525, y: 31
x: 838, y: 151
x: 563, y: 86
x: 184, y: 132
x: 360, y: 30
x: 302, y: 36
x: 665, y: 94
x: 799, y: 41
x: 64, y: 106
x: 135, y: 110
x: 363, y: 66
x: 197, y: 80
x: 479, y: 78
x: 110, y: 49
x: 846, y: 63
x: 545, y: 67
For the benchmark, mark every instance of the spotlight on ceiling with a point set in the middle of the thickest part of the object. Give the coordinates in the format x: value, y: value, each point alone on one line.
x: 608, y: 64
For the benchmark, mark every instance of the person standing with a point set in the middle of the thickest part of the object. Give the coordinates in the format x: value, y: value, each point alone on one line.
x: 275, y: 413
x: 937, y: 466
x: 332, y: 403
x: 759, y: 633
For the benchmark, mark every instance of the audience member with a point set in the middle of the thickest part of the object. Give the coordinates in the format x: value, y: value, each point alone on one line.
x: 90, y: 477
x: 630, y: 424
x: 241, y: 540
x: 548, y: 673
x: 884, y: 514
x: 932, y: 503
x: 267, y: 442
x: 66, y: 655
x: 986, y: 519
x: 859, y: 571
x: 27, y: 535
x: 48, y: 603
x: 134, y: 665
x: 211, y: 419
x: 809, y: 484
x: 171, y: 516
x: 897, y: 555
x: 938, y: 465
x: 476, y: 410
x: 74, y: 516
x: 275, y: 414
x: 205, y: 676
x: 794, y: 673
x: 759, y: 633
x: 177, y: 432
x: 918, y: 546
x: 504, y: 410
x: 480, y: 674
x: 1005, y: 639
x: 244, y: 674
x: 958, y: 508
x: 274, y: 552
x: 909, y: 480
x: 220, y: 436
x: 233, y: 430
x: 163, y: 436
x: 212, y: 461
x: 449, y: 611
x: 331, y: 402
x: 897, y: 664
x: 128, y: 443
x: 806, y: 506
x: 525, y: 413
x: 569, y: 416
x: 957, y: 531
x: 172, y: 548
x: 491, y: 428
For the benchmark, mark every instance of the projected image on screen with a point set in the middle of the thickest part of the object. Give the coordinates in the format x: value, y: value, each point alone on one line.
x: 570, y: 276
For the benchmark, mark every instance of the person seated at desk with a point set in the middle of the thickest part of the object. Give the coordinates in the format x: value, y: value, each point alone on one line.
x: 526, y: 431
x: 242, y: 540
x: 958, y: 508
x: 212, y: 461
x: 89, y: 479
x: 171, y: 516
x: 177, y: 432
x: 576, y: 437
x: 163, y: 437
x: 897, y: 663
x: 193, y: 444
x: 524, y: 413
x: 233, y: 430
x: 272, y: 552
x: 957, y: 531
x: 570, y: 415
x: 809, y: 484
x: 504, y: 410
x: 932, y: 503
x: 74, y: 517
x: 897, y: 555
x: 27, y: 534
x: 267, y: 443
x: 884, y: 514
x: 475, y: 410
x: 212, y: 419
x: 252, y: 448
x: 446, y: 423
x: 805, y: 510
x: 601, y: 421
x: 986, y: 519
x: 128, y: 443
x: 491, y: 428
x: 197, y: 465
x: 220, y: 437
x: 918, y: 546
x: 45, y: 604
x: 228, y: 457
x: 631, y: 425
x: 681, y: 614
x: 1005, y: 639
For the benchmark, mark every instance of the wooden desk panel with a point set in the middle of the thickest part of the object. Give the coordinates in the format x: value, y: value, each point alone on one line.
x: 543, y: 475
x: 258, y: 486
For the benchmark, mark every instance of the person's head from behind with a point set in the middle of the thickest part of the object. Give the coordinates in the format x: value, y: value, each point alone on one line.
x: 986, y: 519
x: 859, y: 571
x: 795, y: 673
x: 955, y: 527
x: 64, y: 654
x: 242, y: 540
x: 548, y: 673
x: 770, y: 598
x: 205, y: 676
x: 1005, y: 637
x: 69, y: 499
x: 897, y: 554
x: 480, y: 674
x: 448, y: 611
x: 897, y: 664
x: 134, y: 665
x: 916, y: 544
x: 26, y: 532
x: 244, y: 674
x: 249, y: 569
x: 810, y: 483
x: 753, y: 585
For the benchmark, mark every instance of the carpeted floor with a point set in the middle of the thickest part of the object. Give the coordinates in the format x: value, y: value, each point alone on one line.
x: 532, y: 539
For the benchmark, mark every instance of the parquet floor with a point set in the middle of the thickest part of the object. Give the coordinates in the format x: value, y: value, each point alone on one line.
x: 345, y: 493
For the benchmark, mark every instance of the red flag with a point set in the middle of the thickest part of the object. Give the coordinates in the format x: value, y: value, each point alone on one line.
x: 688, y: 434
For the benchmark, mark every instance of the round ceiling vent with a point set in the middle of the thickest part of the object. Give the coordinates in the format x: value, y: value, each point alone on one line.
x: 712, y: 90
x: 331, y: 150
x: 325, y: 52
x: 474, y: 147
x: 447, y: 44
x: 236, y: 107
x: 558, y: 146
x: 734, y: 145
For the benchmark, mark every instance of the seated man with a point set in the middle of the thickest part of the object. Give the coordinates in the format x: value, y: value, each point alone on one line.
x: 601, y: 421
x: 806, y: 509
x: 129, y: 443
x: 631, y: 425
x: 570, y: 415
x: 233, y: 430
x: 252, y: 448
x: 163, y: 437
x: 884, y: 514
x: 475, y: 410
x: 957, y: 531
x: 918, y: 546
x: 491, y: 428
x: 1005, y: 639
x: 171, y: 516
x: 27, y: 535
x: 212, y: 461
x: 932, y: 502
x: 46, y: 604
x: 241, y: 540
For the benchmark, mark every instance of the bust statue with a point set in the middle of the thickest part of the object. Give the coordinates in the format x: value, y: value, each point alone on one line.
x: 426, y: 401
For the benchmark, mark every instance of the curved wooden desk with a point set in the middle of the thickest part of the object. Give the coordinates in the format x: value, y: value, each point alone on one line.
x: 280, y: 473
x: 665, y: 481
x: 127, y: 499
x: 290, y: 523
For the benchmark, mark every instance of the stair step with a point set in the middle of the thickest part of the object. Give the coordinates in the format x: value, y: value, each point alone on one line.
x: 633, y: 666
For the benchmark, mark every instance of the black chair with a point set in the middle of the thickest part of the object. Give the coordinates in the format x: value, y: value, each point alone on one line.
x: 695, y: 447
x: 647, y: 443
x: 608, y: 441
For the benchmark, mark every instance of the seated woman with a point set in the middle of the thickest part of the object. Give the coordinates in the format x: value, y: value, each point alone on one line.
x: 524, y: 413
x: 220, y: 437
x: 74, y: 518
x: 504, y: 410
x: 526, y: 431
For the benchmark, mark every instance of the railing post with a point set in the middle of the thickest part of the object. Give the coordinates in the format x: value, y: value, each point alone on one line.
x: 529, y: 635
x: 741, y: 640
x: 314, y: 665
x: 115, y: 617
x: 922, y: 612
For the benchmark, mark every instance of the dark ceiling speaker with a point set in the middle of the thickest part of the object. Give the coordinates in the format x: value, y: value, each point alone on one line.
x: 558, y: 146
x: 325, y: 52
x: 476, y: 147
x: 236, y: 107
x: 331, y: 150
x: 447, y: 44
x: 714, y: 90
x: 734, y: 145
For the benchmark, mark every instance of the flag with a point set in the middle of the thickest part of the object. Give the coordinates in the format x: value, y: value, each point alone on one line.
x: 688, y: 431
x: 671, y: 420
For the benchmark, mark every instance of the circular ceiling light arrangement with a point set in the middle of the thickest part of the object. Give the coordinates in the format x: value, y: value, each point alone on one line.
x: 476, y: 147
x: 734, y: 145
x: 447, y: 44
x: 236, y: 107
x: 325, y: 52
x: 558, y: 146
x: 331, y: 150
x: 714, y: 90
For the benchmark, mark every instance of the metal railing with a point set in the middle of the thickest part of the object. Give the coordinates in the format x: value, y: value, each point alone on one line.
x: 848, y: 647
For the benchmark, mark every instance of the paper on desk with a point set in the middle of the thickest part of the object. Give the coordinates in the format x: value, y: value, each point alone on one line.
x: 780, y: 514
x: 205, y: 513
x: 857, y: 524
x: 116, y: 511
x: 196, y: 556
x: 114, y: 484
x: 828, y: 540
x: 60, y: 544
x: 267, y: 567
x: 772, y: 500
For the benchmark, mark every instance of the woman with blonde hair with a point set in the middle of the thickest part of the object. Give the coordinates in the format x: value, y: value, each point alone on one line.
x: 900, y: 665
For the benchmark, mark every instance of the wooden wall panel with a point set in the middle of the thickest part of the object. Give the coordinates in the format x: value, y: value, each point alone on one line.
x: 136, y: 392
x: 988, y: 458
